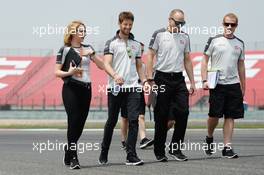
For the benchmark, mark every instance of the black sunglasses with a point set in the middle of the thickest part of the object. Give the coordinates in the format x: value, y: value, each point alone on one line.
x: 230, y: 24
x: 81, y: 31
x: 178, y: 23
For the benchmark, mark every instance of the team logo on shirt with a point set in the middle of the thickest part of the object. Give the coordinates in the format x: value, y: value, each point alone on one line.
x: 182, y: 42
x: 237, y: 48
x: 133, y: 47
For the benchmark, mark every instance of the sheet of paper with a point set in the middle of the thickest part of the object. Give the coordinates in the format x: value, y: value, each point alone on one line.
x: 212, y: 78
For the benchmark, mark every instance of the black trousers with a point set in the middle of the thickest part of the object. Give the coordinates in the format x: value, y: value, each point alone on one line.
x: 114, y: 105
x: 172, y: 104
x: 76, y: 99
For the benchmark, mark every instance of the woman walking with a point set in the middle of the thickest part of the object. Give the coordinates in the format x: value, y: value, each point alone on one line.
x: 73, y: 66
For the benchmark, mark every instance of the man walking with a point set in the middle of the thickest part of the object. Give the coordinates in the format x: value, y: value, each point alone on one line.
x: 171, y: 47
x: 122, y: 57
x: 226, y: 99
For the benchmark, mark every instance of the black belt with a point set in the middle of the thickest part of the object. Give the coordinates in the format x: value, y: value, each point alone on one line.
x: 80, y: 83
x: 169, y: 74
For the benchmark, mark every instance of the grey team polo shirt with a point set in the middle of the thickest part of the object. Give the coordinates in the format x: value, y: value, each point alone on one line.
x: 124, y: 63
x: 170, y: 49
x: 224, y: 55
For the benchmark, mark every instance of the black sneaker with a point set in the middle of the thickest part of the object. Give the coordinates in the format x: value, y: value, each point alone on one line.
x: 75, y: 163
x: 103, y: 158
x: 177, y: 155
x: 133, y: 160
x: 209, y: 151
x: 146, y: 143
x: 228, y: 152
x: 161, y: 158
x: 123, y: 145
x: 67, y: 156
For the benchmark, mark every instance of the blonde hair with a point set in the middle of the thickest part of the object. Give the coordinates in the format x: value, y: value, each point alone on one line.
x: 71, y: 30
x: 231, y: 15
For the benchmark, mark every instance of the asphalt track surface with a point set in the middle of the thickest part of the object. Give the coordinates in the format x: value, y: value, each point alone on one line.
x: 19, y: 156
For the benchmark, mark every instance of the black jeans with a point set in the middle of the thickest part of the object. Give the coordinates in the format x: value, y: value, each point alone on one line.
x: 76, y: 99
x: 114, y: 105
x: 172, y: 104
